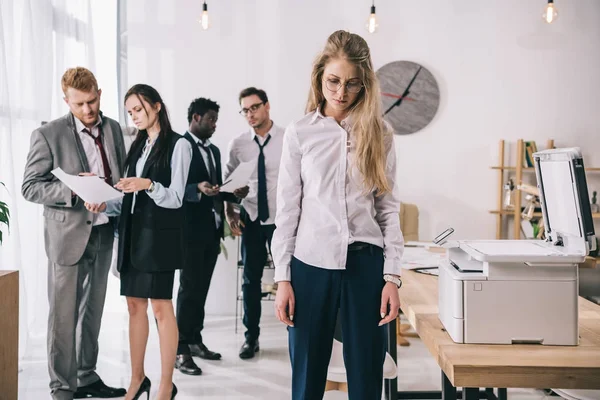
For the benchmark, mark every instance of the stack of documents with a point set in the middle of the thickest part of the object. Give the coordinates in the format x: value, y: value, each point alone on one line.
x: 421, y: 260
x: 91, y: 189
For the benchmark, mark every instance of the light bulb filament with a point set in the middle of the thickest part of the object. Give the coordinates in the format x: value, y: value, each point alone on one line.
x: 204, y: 21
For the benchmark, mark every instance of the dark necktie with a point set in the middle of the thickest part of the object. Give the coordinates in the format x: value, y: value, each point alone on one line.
x: 263, y: 204
x: 217, y: 203
x: 105, y: 165
x: 211, y: 166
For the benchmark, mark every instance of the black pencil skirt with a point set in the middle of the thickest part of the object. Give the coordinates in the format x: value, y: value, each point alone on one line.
x: 146, y: 285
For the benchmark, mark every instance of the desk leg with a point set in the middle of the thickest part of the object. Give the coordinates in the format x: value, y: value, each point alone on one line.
x: 502, y: 395
x: 448, y: 390
x: 470, y: 393
x: 391, y: 385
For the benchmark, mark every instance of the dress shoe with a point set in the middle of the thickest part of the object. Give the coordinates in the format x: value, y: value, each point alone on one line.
x: 186, y: 365
x: 174, y: 392
x: 200, y: 350
x: 248, y: 350
x: 100, y: 390
x: 144, y: 388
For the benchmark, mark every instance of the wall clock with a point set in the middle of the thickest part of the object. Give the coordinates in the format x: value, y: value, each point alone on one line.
x: 410, y: 96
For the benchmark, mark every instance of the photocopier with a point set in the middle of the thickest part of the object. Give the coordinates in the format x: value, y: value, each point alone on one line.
x: 524, y: 291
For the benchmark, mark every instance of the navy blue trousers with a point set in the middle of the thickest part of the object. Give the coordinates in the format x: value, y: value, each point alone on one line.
x: 356, y: 294
x: 255, y: 239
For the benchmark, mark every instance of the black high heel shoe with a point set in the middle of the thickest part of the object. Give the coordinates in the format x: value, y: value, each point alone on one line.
x: 174, y: 392
x: 144, y: 388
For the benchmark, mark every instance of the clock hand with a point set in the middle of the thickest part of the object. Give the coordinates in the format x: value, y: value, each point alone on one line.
x: 396, y: 96
x: 406, y: 92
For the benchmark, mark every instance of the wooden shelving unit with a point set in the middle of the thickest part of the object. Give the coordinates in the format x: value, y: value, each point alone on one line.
x: 516, y: 172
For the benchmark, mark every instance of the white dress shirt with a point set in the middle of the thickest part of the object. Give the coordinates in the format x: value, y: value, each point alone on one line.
x: 244, y: 149
x: 321, y: 204
x: 166, y: 197
x: 94, y: 159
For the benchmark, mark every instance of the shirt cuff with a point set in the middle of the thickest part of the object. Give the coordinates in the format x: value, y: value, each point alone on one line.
x: 392, y: 267
x: 157, y: 193
x: 283, y: 274
x: 113, y: 207
x: 192, y: 194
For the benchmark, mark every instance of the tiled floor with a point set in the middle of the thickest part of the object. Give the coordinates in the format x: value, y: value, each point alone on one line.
x: 265, y: 377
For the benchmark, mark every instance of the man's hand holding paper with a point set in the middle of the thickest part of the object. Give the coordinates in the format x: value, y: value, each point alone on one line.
x: 239, y: 177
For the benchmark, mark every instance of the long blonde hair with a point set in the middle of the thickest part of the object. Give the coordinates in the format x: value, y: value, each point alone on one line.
x: 365, y: 114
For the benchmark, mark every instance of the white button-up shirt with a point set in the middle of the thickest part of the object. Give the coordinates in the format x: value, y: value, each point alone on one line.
x: 244, y: 149
x: 321, y: 204
x: 94, y: 159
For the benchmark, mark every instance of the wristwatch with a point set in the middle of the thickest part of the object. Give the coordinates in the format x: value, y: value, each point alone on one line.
x: 394, y: 279
x: 151, y: 188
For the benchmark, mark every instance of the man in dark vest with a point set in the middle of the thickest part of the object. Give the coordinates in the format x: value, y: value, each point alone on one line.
x: 205, y: 219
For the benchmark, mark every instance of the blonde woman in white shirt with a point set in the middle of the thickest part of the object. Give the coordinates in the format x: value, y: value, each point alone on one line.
x: 338, y: 244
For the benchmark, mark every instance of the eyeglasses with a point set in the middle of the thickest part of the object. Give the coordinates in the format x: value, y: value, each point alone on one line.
x: 351, y: 87
x: 252, y: 108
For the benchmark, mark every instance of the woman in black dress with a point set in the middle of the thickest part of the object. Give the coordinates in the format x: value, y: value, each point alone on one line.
x: 151, y: 232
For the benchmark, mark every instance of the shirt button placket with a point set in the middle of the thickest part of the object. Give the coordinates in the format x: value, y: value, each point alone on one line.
x: 342, y: 195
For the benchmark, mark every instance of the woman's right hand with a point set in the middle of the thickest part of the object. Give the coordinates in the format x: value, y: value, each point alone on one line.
x: 285, y: 303
x: 95, y: 208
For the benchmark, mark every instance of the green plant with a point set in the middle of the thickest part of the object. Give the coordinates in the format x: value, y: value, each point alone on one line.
x: 4, y: 215
x: 226, y: 234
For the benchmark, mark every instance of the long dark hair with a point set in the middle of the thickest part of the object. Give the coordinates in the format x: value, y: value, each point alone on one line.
x: 163, y: 142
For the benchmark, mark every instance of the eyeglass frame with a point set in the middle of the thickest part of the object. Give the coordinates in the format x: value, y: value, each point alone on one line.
x: 339, y: 86
x: 253, y: 108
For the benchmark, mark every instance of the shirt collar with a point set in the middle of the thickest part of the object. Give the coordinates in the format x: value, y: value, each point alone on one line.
x: 317, y: 116
x: 80, y: 126
x: 271, y: 132
x: 206, y: 143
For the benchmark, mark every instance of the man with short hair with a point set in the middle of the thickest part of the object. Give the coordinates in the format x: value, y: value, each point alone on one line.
x: 78, y: 243
x: 262, y: 144
x: 204, y: 218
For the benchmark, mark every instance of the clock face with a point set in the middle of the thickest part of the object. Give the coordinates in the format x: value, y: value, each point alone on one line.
x: 410, y: 96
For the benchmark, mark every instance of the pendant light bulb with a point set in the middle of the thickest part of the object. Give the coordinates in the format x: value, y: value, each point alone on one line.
x: 204, y: 20
x: 372, y: 24
x: 550, y: 14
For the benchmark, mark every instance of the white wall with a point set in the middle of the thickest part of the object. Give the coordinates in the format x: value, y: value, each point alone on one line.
x: 502, y: 72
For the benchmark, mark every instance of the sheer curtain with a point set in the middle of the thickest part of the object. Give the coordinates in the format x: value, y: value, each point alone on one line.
x: 39, y: 40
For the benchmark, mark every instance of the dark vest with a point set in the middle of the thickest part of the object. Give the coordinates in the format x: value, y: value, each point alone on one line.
x: 199, y: 217
x: 152, y: 237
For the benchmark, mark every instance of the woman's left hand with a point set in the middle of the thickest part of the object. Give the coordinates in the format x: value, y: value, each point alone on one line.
x: 389, y: 296
x: 130, y: 185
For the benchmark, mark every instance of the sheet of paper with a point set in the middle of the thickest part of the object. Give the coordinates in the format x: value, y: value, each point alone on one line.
x: 418, y: 257
x: 239, y: 177
x: 91, y: 189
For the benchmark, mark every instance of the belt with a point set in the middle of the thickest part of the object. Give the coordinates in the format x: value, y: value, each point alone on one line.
x: 358, y: 246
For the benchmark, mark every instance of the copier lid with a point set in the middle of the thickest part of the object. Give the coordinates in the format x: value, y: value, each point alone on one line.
x: 564, y: 195
x: 567, y: 216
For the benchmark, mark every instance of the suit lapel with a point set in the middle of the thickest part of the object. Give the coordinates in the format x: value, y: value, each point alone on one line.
x: 217, y: 155
x: 110, y: 148
x: 198, y: 155
x: 150, y: 160
x: 80, y: 150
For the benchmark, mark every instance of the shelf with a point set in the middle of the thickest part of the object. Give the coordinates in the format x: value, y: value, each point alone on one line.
x: 535, y: 214
x: 514, y: 168
x: 591, y: 169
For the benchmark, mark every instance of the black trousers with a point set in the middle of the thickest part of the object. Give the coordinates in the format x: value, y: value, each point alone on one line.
x: 356, y: 294
x: 255, y: 238
x: 194, y: 282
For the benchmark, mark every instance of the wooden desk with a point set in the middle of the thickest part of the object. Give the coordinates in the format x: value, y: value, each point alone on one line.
x: 502, y: 366
x: 9, y: 334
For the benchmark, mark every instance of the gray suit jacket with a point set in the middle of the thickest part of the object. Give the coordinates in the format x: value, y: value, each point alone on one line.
x: 67, y: 223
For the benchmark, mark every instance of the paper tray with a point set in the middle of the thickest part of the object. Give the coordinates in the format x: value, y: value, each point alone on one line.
x: 519, y: 250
